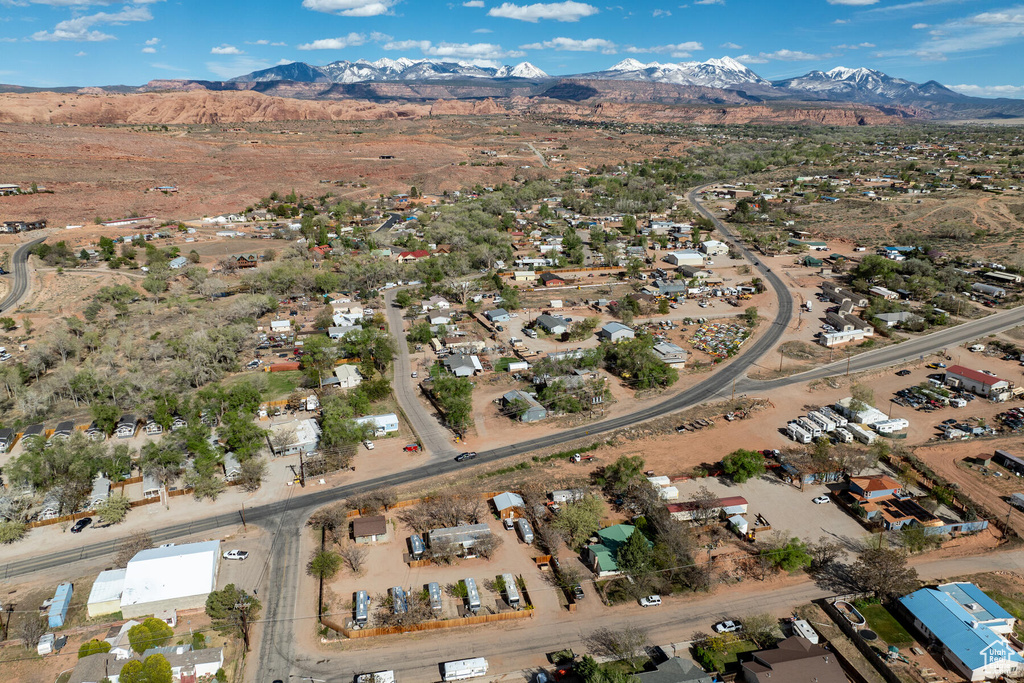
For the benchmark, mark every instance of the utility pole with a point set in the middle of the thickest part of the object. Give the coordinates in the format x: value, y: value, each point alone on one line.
x: 848, y: 363
x: 781, y: 356
x: 244, y: 527
x: 243, y: 608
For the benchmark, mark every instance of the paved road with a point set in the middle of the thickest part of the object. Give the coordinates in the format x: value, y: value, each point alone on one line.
x: 389, y: 223
x: 19, y: 275
x: 543, y: 161
x: 436, y: 439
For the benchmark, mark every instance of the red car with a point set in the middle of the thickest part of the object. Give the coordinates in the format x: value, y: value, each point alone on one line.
x: 412, y: 448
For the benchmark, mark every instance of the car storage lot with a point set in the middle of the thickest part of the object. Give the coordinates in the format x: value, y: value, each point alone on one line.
x: 786, y: 508
x: 385, y: 567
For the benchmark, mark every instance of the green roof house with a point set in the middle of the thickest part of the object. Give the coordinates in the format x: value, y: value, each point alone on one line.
x: 600, y: 557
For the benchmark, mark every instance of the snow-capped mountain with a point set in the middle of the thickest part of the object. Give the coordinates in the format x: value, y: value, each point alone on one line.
x: 385, y: 69
x: 714, y: 73
x: 864, y: 85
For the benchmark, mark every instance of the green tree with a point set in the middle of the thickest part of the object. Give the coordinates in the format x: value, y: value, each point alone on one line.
x: 113, y: 510
x: 324, y: 564
x: 619, y: 476
x: 635, y: 557
x: 742, y: 465
x: 8, y: 323
x: 403, y: 299
x: 318, y: 358
x: 579, y: 520
x: 750, y: 315
x: 106, y: 416
x: 789, y: 557
x: 12, y: 532
x: 152, y: 632
x: 155, y: 669
x: 232, y: 611
x: 455, y: 397
x: 93, y: 647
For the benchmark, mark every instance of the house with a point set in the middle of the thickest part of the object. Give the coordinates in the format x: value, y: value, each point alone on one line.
x: 509, y: 505
x: 151, y: 486
x: 280, y: 325
x: 178, y: 423
x: 6, y: 439
x: 670, y: 354
x: 714, y: 247
x: 32, y: 432
x: 675, y: 670
x: 968, y: 626
x: 551, y: 280
x: 462, y: 365
x: 105, y: 595
x: 175, y: 577
x: 886, y: 294
x: 671, y: 288
x: 689, y: 510
x: 498, y: 315
x: 615, y: 332
x: 438, y: 302
x: 873, y: 486
x: 524, y: 276
x: 125, y: 428
x: 348, y: 376
x: 62, y: 431
x: 465, y: 536
x: 177, y: 263
x: 153, y: 427
x: 247, y: 261
x: 305, y: 439
x: 382, y: 424
x: 533, y: 412
x: 684, y: 257
x: 898, y: 318
x: 186, y: 664
x: 436, y: 319
x: 100, y: 491
x: 339, y: 331
x: 980, y: 383
x: 94, y: 432
x: 600, y: 556
x: 552, y: 324
x: 690, y: 272
x: 370, y: 529
x: 120, y: 648
x: 1009, y: 461
x: 795, y: 660
x: 407, y: 256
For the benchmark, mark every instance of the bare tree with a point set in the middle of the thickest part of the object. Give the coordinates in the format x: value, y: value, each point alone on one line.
x: 824, y: 553
x: 487, y: 546
x: 332, y: 519
x: 32, y: 629
x: 445, y: 509
x: 706, y: 505
x: 630, y: 643
x: 132, y: 546
x: 354, y: 556
x: 252, y: 472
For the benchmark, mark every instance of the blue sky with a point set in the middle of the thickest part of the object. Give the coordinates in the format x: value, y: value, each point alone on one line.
x: 974, y: 45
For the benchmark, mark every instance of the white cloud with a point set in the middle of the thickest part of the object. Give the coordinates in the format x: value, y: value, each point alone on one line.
x: 477, y: 53
x: 557, y: 11
x: 709, y: 2
x: 482, y: 30
x: 81, y: 54
x: 661, y: 13
x: 473, y: 3
x: 914, y: 5
x: 1016, y: 91
x: 351, y: 40
x: 264, y: 41
x: 730, y: 46
x: 226, y: 50
x: 920, y: 26
x: 841, y: 21
x: 351, y: 8
x: 149, y: 50
x: 574, y: 45
x: 81, y: 28
x: 980, y: 31
x: 152, y: 41
x: 378, y: 37
x: 853, y: 3
x: 166, y: 67
x: 237, y: 66
x: 679, y: 50
x: 781, y: 56
x: 853, y: 47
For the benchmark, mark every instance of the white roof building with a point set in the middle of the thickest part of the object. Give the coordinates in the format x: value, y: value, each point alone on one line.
x: 105, y: 596
x: 348, y: 376
x: 176, y: 577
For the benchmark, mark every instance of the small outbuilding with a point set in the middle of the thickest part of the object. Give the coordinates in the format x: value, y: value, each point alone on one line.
x: 369, y: 529
x: 615, y: 332
x: 105, y: 596
x: 509, y: 505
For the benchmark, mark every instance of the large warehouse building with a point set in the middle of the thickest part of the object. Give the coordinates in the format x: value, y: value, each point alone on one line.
x: 172, y: 578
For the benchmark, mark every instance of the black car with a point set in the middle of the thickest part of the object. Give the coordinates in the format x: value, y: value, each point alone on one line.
x: 903, y: 373
x: 81, y: 524
x: 577, y: 592
x: 465, y: 456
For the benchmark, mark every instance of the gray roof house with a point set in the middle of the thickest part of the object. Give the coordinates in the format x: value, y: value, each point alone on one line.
x: 462, y: 365
x: 670, y: 354
x: 466, y: 536
x: 534, y: 410
x: 671, y: 288
x: 178, y: 262
x: 675, y: 670
x: 898, y: 318
x: 553, y: 324
x: 615, y: 332
x: 498, y: 315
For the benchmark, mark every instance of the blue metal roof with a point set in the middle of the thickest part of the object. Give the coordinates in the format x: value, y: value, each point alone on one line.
x: 966, y: 593
x: 959, y: 630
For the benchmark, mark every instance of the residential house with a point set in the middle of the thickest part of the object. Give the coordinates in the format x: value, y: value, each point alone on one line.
x: 153, y: 427
x: 63, y: 431
x: 969, y: 628
x: 795, y: 660
x: 232, y: 468
x: 690, y: 510
x: 600, y: 556
x: 438, y: 319
x: 305, y: 439
x: 100, y: 491
x: 366, y: 530
x: 125, y: 428
x: 898, y: 318
x: 6, y: 439
x: 684, y: 257
x: 524, y: 276
x: 407, y: 256
x: 462, y: 365
x: 247, y: 261
x: 675, y: 670
x: 339, y: 331
x: 551, y: 280
x: 552, y: 324
x: 178, y: 423
x: 465, y: 536
x: 498, y: 315
x: 533, y: 410
x: 714, y: 247
x: 33, y: 432
x: 348, y: 376
x: 509, y: 505
x: 150, y: 485
x: 670, y: 354
x: 886, y: 294
x: 94, y: 432
x: 382, y: 424
x: 177, y: 263
x: 671, y: 288
x: 615, y: 332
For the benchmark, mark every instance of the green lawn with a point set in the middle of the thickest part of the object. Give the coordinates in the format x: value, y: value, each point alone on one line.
x: 502, y: 364
x: 281, y: 384
x: 1014, y: 606
x: 885, y: 625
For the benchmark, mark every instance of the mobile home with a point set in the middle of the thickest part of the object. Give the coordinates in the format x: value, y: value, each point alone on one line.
x: 362, y: 607
x: 822, y: 420
x: 843, y: 435
x: 464, y: 668
x: 434, y: 592
x: 416, y: 547
x: 472, y: 595
x: 399, y: 602
x: 809, y: 427
x: 797, y: 433
x: 834, y: 416
x: 525, y: 530
x: 511, y: 591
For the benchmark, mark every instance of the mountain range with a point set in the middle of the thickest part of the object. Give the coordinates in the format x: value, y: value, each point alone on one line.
x: 402, y: 69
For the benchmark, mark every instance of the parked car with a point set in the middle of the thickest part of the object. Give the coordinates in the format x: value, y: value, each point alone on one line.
x: 650, y: 601
x: 81, y: 524
x: 236, y: 554
x: 727, y: 626
x: 903, y: 373
x: 465, y: 456
x: 368, y: 444
x: 411, y: 448
x: 577, y: 592
x: 415, y: 375
x: 820, y: 500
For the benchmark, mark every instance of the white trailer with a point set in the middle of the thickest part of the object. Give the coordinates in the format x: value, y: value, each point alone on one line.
x: 511, y: 591
x: 472, y: 595
x: 843, y: 435
x: 896, y: 424
x: 362, y: 611
x: 809, y: 427
x: 462, y: 669
x: 822, y: 421
x: 797, y: 433
x: 377, y: 677
x: 861, y: 434
x: 834, y: 416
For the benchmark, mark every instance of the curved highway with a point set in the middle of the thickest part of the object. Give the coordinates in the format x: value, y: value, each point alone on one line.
x: 19, y: 275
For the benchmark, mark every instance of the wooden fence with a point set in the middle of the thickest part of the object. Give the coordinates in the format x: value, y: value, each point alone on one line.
x: 426, y: 625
